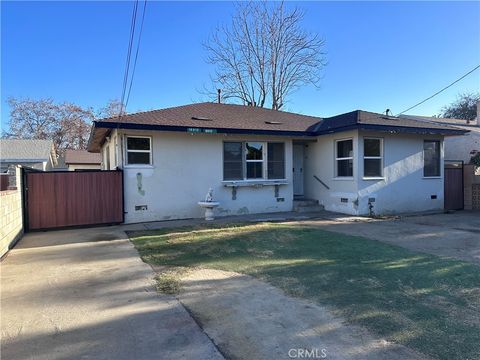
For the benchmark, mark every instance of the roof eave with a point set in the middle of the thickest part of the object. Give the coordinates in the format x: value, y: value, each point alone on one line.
x: 396, y: 129
x: 135, y: 126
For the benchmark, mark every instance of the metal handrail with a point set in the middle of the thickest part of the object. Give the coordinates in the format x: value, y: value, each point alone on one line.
x: 321, y: 182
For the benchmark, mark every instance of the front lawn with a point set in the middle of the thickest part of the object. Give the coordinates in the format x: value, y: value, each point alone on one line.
x: 425, y: 302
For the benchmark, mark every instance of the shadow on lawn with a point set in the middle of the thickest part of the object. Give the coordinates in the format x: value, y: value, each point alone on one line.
x: 428, y: 303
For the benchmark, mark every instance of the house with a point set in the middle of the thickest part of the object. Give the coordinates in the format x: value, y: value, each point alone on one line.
x: 457, y: 148
x: 36, y: 154
x: 76, y: 160
x: 258, y: 160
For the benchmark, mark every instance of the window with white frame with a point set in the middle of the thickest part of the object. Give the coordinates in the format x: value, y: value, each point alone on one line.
x: 372, y: 157
x: 431, y: 158
x: 138, y: 150
x: 253, y: 160
x: 344, y: 158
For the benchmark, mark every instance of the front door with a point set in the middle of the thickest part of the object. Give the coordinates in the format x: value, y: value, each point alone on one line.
x: 298, y: 170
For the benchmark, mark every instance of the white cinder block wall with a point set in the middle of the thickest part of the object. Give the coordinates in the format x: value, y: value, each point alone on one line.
x: 184, y: 167
x: 11, y: 220
x: 402, y: 189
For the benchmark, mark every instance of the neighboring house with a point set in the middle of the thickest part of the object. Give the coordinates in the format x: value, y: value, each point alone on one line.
x: 457, y: 147
x: 82, y: 160
x: 37, y: 154
x: 258, y: 160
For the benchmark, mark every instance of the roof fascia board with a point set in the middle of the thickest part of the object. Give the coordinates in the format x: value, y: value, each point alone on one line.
x: 133, y: 126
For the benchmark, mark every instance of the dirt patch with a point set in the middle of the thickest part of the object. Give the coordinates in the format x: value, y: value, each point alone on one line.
x: 249, y: 319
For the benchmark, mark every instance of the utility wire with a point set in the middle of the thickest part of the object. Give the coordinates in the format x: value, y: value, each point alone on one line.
x: 438, y: 92
x: 129, y: 54
x: 136, y: 53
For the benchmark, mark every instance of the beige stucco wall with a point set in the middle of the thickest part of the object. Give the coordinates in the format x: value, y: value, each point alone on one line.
x: 402, y: 188
x: 184, y: 167
x: 461, y: 147
x: 11, y: 223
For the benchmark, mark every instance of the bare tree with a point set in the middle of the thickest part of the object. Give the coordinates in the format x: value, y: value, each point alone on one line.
x: 264, y: 55
x: 465, y: 107
x: 113, y: 108
x: 66, y: 124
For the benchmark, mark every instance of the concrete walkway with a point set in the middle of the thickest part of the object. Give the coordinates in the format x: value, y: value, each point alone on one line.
x: 451, y: 235
x: 86, y: 294
x: 250, y: 319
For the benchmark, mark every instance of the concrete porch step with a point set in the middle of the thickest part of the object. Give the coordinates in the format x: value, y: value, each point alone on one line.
x: 306, y: 205
x: 309, y: 209
x: 304, y: 202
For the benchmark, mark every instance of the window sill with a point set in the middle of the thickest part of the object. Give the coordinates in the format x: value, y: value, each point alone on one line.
x: 139, y: 166
x: 346, y: 178
x: 373, y: 178
x: 431, y: 177
x: 237, y: 183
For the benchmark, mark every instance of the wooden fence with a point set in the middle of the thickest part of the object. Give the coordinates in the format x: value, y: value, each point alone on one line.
x: 62, y: 199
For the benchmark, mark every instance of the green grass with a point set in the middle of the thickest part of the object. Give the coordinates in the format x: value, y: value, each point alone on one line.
x: 425, y: 302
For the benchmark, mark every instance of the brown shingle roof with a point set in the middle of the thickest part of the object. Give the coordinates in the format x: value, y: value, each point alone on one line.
x: 228, y: 118
x: 82, y: 157
x: 225, y: 116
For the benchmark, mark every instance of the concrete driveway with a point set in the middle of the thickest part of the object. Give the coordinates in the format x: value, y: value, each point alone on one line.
x: 86, y: 294
x: 455, y: 235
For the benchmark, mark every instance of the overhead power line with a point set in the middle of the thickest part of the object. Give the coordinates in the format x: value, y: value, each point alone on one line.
x: 129, y: 54
x: 438, y: 92
x: 136, y: 53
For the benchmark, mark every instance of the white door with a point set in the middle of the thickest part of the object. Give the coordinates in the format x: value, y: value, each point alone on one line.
x: 298, y: 170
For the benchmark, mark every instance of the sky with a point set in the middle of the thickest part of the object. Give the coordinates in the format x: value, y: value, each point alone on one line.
x: 380, y: 54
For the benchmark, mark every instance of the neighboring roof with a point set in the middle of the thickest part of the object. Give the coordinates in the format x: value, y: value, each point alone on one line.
x: 472, y: 124
x: 82, y: 157
x: 240, y: 119
x: 26, y: 150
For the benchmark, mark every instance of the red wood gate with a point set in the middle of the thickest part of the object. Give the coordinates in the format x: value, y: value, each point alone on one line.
x: 453, y: 185
x: 72, y: 198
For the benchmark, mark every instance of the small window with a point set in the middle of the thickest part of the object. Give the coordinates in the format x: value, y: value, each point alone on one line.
x: 344, y: 158
x: 372, y: 157
x: 233, y: 161
x: 431, y: 158
x: 254, y: 159
x: 276, y: 160
x: 139, y: 150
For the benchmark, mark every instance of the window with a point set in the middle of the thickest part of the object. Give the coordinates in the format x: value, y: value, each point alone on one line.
x: 139, y: 150
x: 232, y: 160
x: 254, y: 160
x: 431, y: 158
x: 372, y: 157
x: 344, y: 158
x: 246, y: 160
x: 276, y: 160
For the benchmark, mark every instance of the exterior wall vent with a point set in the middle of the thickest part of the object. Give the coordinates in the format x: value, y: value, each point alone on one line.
x: 273, y: 122
x: 344, y: 200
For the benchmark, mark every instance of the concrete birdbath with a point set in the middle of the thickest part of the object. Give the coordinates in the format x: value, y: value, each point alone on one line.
x: 209, y: 205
